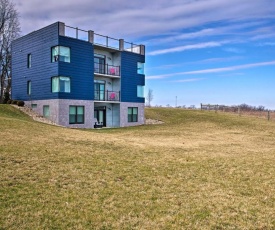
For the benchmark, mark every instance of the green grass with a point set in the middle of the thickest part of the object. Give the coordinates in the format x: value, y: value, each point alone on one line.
x: 198, y: 170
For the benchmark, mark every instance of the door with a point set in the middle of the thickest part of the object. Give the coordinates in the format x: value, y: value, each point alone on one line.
x: 99, y: 63
x: 99, y: 90
x: 100, y: 115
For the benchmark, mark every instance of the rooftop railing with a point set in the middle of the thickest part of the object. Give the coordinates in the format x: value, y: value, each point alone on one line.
x: 100, y: 40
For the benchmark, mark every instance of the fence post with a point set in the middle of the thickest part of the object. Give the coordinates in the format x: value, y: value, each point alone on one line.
x: 239, y: 111
x: 268, y: 115
x: 201, y: 106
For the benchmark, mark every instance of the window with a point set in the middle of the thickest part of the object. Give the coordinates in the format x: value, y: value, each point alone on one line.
x: 29, y: 87
x: 61, y: 53
x: 34, y: 106
x: 61, y: 84
x: 140, y: 68
x: 140, y: 91
x: 46, y: 111
x: 76, y: 115
x: 29, y: 61
x: 132, y: 114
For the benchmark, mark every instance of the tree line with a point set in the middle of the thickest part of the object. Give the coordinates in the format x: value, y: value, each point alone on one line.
x: 9, y: 31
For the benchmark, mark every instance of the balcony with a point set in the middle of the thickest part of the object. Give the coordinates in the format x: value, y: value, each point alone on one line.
x: 107, y: 69
x: 102, y: 95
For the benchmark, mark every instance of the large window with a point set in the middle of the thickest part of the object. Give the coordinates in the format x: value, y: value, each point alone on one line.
x: 29, y: 87
x: 61, y: 84
x: 140, y: 68
x: 29, y: 61
x: 132, y: 114
x: 140, y: 91
x: 76, y: 115
x: 61, y: 53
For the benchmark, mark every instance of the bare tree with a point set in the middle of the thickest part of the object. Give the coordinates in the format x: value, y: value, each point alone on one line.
x: 150, y: 97
x: 9, y: 30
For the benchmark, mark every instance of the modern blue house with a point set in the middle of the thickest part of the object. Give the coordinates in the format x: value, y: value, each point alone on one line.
x: 78, y: 78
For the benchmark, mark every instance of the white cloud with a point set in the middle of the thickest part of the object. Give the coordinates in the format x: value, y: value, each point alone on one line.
x: 187, y: 47
x: 214, y: 70
x: 189, y: 80
x: 145, y: 18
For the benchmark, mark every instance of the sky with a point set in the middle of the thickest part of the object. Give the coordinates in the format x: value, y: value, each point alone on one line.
x: 197, y: 51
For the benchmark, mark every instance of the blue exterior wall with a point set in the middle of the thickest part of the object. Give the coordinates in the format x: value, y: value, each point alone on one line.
x: 38, y: 44
x: 80, y: 69
x: 130, y: 79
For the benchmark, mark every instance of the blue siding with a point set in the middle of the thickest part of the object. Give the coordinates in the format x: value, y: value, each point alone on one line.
x: 38, y: 44
x: 80, y: 69
x: 130, y: 78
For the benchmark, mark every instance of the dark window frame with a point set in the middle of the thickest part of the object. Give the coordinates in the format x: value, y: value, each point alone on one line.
x: 29, y: 87
x: 29, y: 60
x: 131, y: 116
x: 76, y: 114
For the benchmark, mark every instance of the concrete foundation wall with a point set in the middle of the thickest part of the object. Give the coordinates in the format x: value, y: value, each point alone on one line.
x: 59, y: 111
x: 124, y: 114
x: 116, y: 113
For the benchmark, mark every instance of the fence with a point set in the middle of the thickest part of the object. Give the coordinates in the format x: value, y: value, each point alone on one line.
x: 264, y: 114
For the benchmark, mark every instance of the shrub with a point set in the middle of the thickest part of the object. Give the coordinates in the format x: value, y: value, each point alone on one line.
x: 14, y: 102
x: 9, y: 101
x: 6, y: 97
x: 20, y: 103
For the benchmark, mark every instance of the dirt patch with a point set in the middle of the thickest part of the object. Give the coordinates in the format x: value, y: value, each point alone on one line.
x: 153, y: 122
x: 35, y: 116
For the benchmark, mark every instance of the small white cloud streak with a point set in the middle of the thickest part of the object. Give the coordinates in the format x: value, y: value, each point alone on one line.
x: 189, y: 80
x: 187, y: 47
x: 215, y: 70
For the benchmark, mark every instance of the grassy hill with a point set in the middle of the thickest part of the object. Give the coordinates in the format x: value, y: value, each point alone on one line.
x: 198, y: 170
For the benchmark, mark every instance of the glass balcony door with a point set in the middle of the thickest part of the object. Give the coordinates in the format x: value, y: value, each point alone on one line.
x: 99, y: 91
x: 99, y: 63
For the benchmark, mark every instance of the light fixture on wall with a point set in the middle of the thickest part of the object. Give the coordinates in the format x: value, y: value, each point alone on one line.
x: 109, y: 108
x: 109, y: 58
x: 109, y: 83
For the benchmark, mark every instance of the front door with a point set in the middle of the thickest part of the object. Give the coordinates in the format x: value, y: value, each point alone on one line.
x: 100, y: 115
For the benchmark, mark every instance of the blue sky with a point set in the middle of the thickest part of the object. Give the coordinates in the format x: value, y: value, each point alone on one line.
x: 200, y: 51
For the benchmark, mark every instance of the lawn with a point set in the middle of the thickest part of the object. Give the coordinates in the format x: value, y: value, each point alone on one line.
x: 198, y: 170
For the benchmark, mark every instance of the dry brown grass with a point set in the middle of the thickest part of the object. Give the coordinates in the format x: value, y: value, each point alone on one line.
x: 198, y: 170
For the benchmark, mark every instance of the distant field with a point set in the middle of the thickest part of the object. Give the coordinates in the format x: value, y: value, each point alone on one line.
x: 198, y: 170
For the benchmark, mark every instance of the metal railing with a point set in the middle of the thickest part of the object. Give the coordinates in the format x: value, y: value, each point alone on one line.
x: 132, y: 47
x: 106, y: 95
x: 107, y: 69
x: 106, y: 41
x: 101, y: 40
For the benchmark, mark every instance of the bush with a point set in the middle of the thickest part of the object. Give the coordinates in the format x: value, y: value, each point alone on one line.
x: 9, y: 101
x: 14, y: 102
x: 20, y: 103
x: 6, y: 97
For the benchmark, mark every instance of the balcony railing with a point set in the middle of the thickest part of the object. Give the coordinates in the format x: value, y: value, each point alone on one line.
x: 107, y: 69
x: 102, y: 95
x: 100, y: 40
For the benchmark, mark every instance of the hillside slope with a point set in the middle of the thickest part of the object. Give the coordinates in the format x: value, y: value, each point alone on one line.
x: 197, y: 170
